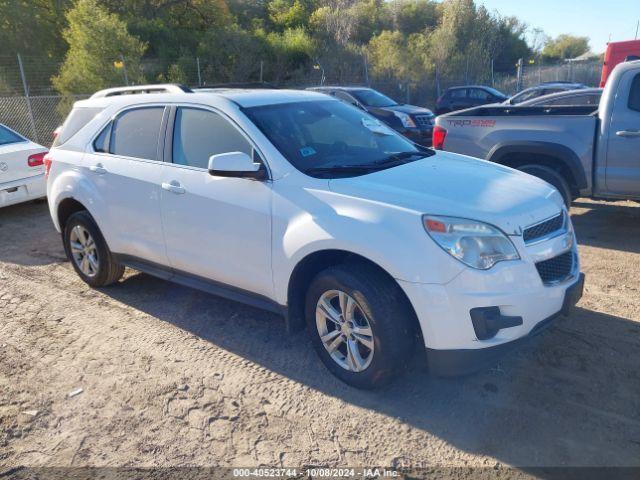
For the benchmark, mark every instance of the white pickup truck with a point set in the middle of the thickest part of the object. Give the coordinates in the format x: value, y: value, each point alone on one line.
x: 579, y: 151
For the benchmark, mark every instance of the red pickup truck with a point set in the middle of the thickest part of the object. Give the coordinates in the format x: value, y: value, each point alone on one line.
x: 618, y: 52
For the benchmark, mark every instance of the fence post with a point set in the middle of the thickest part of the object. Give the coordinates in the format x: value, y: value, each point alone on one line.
x: 199, y: 75
x: 519, y: 78
x: 261, y: 71
x: 366, y: 70
x: 493, y: 83
x: 28, y: 98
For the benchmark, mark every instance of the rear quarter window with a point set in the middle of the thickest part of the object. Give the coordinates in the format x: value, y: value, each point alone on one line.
x: 77, y: 119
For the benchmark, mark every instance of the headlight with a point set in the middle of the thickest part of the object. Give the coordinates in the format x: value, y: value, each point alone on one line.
x: 406, y: 120
x: 476, y: 244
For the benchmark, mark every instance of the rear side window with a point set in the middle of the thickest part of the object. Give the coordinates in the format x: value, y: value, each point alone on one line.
x: 7, y: 136
x: 634, y: 94
x: 135, y: 133
x: 198, y: 134
x: 77, y: 119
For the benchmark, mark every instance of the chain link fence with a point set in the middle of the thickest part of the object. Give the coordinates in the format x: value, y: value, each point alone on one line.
x: 30, y: 105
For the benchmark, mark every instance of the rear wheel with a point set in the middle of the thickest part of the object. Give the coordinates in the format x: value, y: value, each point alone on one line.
x: 360, y: 324
x: 88, y: 252
x: 552, y: 177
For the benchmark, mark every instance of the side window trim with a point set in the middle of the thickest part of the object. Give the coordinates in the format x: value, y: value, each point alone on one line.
x: 258, y: 156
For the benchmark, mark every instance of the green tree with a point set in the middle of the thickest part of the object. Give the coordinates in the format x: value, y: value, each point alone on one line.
x: 97, y: 40
x: 565, y: 46
x: 33, y: 27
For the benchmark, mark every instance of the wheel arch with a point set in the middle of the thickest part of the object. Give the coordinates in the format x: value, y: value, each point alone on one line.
x: 67, y: 207
x: 553, y: 155
x: 315, y: 262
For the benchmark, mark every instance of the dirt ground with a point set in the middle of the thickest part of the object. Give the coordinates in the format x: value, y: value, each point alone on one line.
x: 174, y: 377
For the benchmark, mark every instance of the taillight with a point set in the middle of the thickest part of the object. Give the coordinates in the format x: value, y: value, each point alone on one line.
x: 47, y: 164
x: 438, y: 137
x: 36, y: 159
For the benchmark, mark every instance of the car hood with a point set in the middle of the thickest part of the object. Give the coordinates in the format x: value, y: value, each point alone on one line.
x: 410, y: 109
x: 459, y: 186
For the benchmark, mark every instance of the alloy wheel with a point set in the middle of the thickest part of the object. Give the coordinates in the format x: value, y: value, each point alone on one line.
x: 345, y: 330
x: 84, y: 251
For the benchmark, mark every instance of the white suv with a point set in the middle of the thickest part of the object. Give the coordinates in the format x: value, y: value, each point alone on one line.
x: 301, y: 204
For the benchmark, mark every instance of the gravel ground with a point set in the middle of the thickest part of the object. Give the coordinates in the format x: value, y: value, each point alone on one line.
x: 174, y: 377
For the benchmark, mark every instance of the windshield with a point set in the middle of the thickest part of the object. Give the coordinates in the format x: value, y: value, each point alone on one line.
x: 330, y: 138
x: 371, y: 98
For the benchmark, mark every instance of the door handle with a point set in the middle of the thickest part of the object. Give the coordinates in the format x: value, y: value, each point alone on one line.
x: 174, y: 187
x: 628, y: 133
x: 99, y: 169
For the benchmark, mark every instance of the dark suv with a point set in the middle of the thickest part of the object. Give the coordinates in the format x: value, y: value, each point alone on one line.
x: 415, y: 123
x: 459, y: 98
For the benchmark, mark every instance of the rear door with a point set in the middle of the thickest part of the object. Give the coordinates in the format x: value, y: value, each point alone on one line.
x: 623, y: 147
x: 15, y: 151
x: 126, y: 170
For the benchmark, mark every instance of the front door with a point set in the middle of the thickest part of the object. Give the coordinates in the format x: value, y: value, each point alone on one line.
x: 218, y: 228
x: 623, y: 147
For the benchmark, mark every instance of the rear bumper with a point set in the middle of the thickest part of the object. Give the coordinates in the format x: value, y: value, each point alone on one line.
x: 456, y: 362
x: 23, y: 190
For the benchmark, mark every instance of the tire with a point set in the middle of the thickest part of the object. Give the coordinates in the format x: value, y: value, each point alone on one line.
x: 100, y: 269
x: 552, y: 177
x: 380, y: 304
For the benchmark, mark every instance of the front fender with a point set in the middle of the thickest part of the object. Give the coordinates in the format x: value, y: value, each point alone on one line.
x: 391, y: 237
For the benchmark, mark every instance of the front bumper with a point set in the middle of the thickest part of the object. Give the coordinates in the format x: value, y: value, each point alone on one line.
x: 449, y: 363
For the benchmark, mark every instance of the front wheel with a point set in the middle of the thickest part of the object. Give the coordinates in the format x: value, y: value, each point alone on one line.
x: 360, y: 324
x: 88, y: 252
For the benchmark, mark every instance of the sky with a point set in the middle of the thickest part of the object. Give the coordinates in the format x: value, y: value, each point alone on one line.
x: 595, y: 19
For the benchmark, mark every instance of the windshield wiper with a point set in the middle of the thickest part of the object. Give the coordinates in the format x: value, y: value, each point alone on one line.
x: 394, y: 159
x: 400, y: 157
x: 343, y: 169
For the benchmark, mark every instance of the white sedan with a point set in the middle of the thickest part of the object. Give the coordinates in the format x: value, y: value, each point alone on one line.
x: 21, y: 168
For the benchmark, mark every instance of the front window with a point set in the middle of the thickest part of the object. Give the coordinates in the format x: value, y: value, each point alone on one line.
x: 330, y: 138
x: 371, y: 98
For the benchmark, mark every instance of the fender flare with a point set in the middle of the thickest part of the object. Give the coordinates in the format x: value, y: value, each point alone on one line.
x: 564, y: 154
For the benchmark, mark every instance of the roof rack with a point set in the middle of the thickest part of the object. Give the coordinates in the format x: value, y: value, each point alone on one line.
x: 140, y: 89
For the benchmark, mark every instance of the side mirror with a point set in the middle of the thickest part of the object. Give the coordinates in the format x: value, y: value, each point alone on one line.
x: 236, y: 164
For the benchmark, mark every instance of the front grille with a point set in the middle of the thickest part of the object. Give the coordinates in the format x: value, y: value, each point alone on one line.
x: 556, y: 269
x: 423, y: 121
x: 543, y: 229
